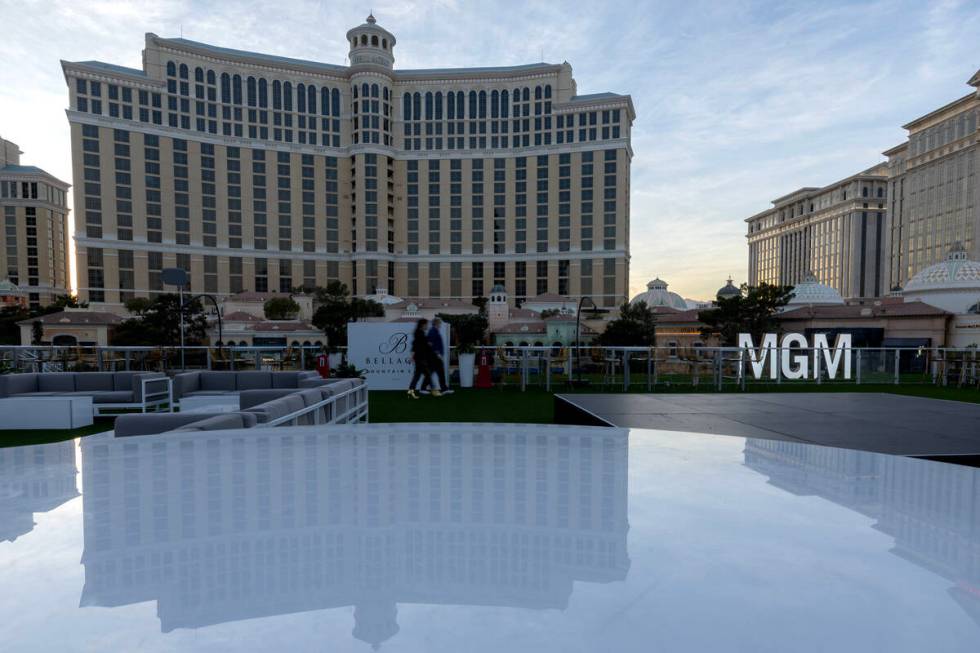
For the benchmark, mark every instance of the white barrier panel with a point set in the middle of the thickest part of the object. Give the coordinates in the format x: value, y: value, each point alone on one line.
x: 384, y: 351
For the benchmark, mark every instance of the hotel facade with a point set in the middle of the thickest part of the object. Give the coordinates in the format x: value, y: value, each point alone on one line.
x: 34, y: 242
x: 872, y: 232
x: 262, y: 173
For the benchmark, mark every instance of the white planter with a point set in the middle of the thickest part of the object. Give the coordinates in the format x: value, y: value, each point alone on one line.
x: 466, y: 362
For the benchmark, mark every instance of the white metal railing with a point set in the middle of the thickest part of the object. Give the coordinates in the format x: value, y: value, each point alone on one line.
x: 329, y: 410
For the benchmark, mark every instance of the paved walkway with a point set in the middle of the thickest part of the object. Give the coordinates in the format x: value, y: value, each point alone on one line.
x: 883, y: 423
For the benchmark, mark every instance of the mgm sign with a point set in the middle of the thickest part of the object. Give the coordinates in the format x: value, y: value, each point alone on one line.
x: 795, y: 358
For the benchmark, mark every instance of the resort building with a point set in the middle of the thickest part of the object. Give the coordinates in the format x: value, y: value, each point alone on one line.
x: 934, y: 195
x: 262, y: 173
x: 34, y: 241
x: 835, y: 233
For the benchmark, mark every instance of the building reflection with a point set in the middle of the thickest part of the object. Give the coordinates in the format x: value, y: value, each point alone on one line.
x: 236, y: 525
x: 35, y: 478
x: 932, y: 510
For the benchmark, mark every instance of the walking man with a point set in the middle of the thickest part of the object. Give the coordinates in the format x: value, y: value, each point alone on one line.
x: 437, y: 363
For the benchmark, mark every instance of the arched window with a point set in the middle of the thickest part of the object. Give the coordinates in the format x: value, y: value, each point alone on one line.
x: 355, y: 91
x: 472, y: 111
x: 374, y: 90
x: 365, y: 90
x: 363, y: 39
x: 451, y: 105
x: 325, y: 101
x: 211, y: 77
x: 251, y: 91
x: 307, y: 343
x: 171, y: 69
x: 199, y: 74
x: 277, y: 94
x: 183, y: 71
x: 495, y: 104
x: 547, y: 92
x: 438, y: 105
x: 301, y: 98
x: 417, y: 106
x: 335, y: 103
x: 287, y: 96
x: 385, y: 93
x: 537, y: 92
x: 263, y: 93
x: 504, y: 101
x: 64, y: 340
x: 384, y: 44
x: 236, y: 89
x: 526, y: 95
x: 428, y: 105
x: 483, y: 104
x: 407, y: 106
x: 374, y: 40
x: 226, y: 88
x: 311, y: 98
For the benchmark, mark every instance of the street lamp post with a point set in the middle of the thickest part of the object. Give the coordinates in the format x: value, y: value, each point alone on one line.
x: 578, y: 318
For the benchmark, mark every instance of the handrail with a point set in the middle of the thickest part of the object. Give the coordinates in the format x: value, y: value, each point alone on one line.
x: 359, y: 410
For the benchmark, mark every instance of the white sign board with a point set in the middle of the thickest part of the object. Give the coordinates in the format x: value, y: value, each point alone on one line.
x: 384, y: 351
x: 797, y: 359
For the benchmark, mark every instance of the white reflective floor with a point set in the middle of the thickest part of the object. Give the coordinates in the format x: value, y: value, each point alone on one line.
x: 483, y: 538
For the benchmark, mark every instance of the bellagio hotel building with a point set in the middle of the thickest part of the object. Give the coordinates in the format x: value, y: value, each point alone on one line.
x: 265, y: 173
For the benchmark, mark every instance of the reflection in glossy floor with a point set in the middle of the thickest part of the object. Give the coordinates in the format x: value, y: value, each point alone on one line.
x: 234, y: 526
x: 932, y: 510
x: 483, y: 538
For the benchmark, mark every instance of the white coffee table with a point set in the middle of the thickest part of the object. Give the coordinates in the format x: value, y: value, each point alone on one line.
x: 45, y: 412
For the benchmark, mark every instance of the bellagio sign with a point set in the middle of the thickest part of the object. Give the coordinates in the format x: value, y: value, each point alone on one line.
x: 796, y: 358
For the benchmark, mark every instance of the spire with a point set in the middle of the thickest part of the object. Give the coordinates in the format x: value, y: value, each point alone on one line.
x: 371, y: 19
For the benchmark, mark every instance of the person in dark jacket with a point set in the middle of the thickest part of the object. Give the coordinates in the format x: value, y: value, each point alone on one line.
x: 437, y: 365
x: 421, y: 356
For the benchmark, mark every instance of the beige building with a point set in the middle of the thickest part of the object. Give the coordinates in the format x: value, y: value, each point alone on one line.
x: 835, y: 233
x: 934, y: 195
x: 263, y: 173
x: 34, y: 242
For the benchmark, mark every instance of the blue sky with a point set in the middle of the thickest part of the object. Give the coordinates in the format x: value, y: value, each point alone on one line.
x: 738, y: 102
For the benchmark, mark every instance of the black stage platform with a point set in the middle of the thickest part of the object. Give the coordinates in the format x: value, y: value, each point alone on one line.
x: 883, y: 423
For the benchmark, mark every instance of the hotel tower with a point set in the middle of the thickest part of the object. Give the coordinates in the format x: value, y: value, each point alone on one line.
x: 266, y: 173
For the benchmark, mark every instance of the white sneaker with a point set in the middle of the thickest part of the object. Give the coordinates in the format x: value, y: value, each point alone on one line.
x: 448, y: 392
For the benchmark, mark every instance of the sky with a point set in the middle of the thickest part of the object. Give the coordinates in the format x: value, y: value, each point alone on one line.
x: 738, y: 102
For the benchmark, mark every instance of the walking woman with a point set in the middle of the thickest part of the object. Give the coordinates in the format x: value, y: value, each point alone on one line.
x: 420, y: 356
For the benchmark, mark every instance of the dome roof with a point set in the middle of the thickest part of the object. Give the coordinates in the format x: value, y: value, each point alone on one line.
x: 811, y: 291
x: 658, y: 295
x: 957, y: 272
x: 728, y: 291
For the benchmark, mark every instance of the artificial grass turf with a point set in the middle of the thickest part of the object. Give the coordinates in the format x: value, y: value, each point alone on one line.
x: 23, y: 437
x: 531, y: 407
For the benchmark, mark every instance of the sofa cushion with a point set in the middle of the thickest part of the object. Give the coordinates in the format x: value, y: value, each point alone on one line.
x: 218, y: 381
x: 123, y: 380
x: 17, y: 384
x: 151, y: 423
x: 93, y: 381
x: 56, y: 382
x: 249, y: 398
x: 311, y: 396
x: 285, y: 380
x: 185, y: 383
x: 269, y: 411
x: 105, y: 396
x: 254, y: 380
x: 222, y: 422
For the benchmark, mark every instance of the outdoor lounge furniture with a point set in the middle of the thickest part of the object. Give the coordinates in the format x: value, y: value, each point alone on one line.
x: 204, y: 382
x: 337, y: 401
x: 109, y: 391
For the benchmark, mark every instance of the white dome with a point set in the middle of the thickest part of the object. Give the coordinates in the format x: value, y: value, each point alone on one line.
x: 956, y: 272
x: 658, y: 295
x: 953, y: 284
x: 811, y: 291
